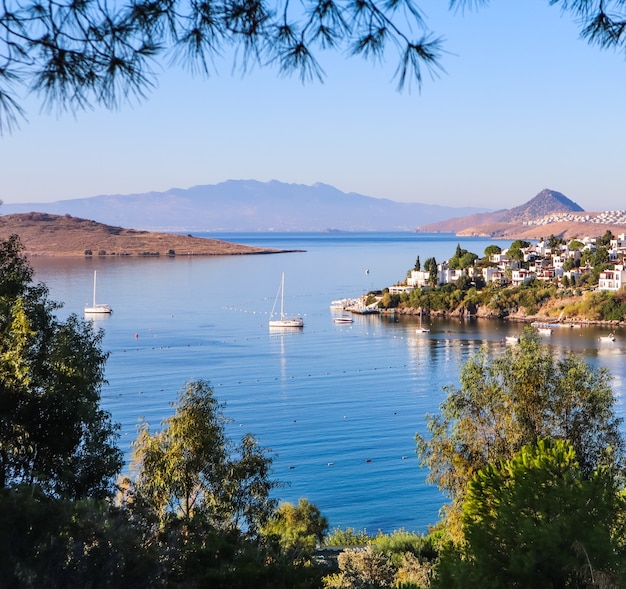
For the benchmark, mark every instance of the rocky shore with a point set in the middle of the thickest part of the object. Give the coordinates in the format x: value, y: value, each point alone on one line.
x: 483, y: 312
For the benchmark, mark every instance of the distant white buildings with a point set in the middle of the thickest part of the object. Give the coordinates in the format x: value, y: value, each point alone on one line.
x: 540, y: 263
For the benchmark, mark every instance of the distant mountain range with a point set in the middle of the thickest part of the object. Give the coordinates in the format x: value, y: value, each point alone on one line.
x: 249, y: 205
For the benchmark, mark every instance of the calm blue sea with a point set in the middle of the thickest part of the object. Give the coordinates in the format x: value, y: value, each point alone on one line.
x: 338, y: 405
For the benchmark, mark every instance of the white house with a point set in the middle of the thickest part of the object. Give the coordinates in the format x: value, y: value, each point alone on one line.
x: 418, y: 278
x: 612, y: 279
x: 491, y: 274
x: 521, y: 276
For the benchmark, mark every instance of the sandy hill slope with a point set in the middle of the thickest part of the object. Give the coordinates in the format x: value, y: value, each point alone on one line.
x: 43, y: 234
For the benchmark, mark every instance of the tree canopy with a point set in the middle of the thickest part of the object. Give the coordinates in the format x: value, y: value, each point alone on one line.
x: 462, y: 258
x: 80, y: 53
x: 510, y: 400
x: 53, y: 433
x: 537, y: 520
x: 297, y: 528
x: 191, y: 470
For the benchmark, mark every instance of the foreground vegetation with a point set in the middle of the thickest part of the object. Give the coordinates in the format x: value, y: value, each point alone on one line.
x: 528, y: 450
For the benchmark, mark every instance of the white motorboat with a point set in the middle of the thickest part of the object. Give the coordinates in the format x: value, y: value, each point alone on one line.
x: 343, y: 319
x: 284, y: 321
x: 97, y: 308
x: 607, y: 338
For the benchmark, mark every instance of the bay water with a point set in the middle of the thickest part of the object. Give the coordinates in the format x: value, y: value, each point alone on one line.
x: 338, y: 405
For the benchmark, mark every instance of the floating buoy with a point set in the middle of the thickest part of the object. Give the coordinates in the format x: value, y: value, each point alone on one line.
x: 136, y: 335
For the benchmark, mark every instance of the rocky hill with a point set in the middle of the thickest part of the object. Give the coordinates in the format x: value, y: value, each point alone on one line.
x: 548, y: 213
x: 43, y: 234
x: 547, y: 202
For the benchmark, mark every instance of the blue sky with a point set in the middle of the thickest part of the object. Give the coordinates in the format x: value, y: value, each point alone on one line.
x: 524, y: 105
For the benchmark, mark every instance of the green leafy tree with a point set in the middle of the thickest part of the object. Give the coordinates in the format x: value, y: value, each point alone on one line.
x: 516, y: 250
x: 190, y: 470
x: 606, y: 238
x: 537, y: 520
x: 53, y: 433
x: 492, y: 249
x: 569, y: 264
x: 462, y: 258
x: 347, y: 537
x: 298, y: 528
x: 554, y: 242
x: 430, y: 266
x: 464, y: 282
x: 510, y: 400
x: 418, y: 264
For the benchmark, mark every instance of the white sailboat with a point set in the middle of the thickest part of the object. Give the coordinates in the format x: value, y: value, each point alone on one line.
x: 99, y: 308
x: 284, y: 321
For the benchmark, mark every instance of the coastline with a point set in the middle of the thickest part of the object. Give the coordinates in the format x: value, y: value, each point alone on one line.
x: 517, y: 317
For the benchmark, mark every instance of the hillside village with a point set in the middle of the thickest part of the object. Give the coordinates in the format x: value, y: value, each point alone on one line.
x: 579, y: 280
x: 557, y: 262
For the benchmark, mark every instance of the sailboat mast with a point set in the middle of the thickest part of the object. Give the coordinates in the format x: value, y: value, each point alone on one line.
x: 282, y: 296
x: 94, y: 288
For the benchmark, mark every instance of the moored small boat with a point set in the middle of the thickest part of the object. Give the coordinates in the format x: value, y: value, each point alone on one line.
x: 343, y: 319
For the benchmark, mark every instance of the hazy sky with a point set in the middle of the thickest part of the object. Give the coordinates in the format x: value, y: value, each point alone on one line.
x: 524, y: 105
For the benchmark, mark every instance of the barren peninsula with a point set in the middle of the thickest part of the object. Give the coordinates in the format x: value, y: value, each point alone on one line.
x: 43, y: 234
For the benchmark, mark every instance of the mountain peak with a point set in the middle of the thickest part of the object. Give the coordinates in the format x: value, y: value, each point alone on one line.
x: 545, y: 203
